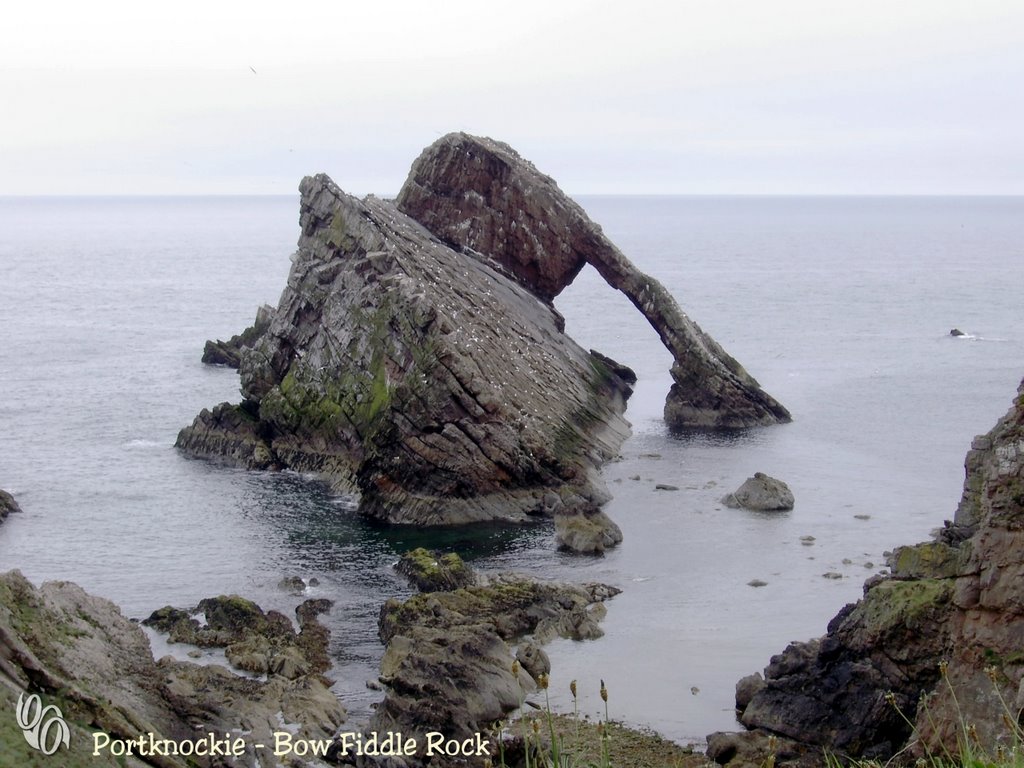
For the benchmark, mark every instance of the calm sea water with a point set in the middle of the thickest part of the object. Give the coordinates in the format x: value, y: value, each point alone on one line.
x: 841, y: 307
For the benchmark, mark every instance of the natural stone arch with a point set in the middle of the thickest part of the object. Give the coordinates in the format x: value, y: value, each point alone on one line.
x: 479, y: 195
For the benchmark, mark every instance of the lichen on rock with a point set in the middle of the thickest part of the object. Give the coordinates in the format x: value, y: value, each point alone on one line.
x: 430, y: 571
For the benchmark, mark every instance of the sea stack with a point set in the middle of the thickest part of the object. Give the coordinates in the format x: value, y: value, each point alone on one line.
x: 416, y: 358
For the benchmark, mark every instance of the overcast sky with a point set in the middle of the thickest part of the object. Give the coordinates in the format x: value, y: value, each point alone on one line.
x: 717, y: 96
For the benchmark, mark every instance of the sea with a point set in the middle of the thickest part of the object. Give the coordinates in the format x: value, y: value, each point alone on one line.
x: 841, y: 307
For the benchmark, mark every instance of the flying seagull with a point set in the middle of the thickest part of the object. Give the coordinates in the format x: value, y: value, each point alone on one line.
x: 252, y: 68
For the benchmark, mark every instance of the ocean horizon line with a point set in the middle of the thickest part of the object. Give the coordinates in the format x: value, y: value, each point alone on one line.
x: 6, y: 197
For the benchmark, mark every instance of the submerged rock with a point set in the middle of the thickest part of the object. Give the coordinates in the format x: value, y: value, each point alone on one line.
x: 761, y: 493
x: 937, y: 644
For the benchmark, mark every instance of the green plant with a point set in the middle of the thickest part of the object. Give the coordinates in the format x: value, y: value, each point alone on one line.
x: 561, y: 749
x: 970, y: 751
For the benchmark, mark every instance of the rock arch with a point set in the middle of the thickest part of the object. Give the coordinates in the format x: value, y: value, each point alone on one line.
x: 479, y: 195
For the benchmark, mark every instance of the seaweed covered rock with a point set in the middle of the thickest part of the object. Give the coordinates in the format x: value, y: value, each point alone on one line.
x: 434, y: 571
x: 931, y: 649
x: 254, y: 641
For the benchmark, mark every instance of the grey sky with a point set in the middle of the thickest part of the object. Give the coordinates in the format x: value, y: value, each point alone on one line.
x: 726, y: 96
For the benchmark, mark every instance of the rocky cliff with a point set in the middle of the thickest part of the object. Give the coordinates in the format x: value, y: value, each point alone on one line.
x: 79, y: 653
x: 939, y: 643
x: 423, y: 365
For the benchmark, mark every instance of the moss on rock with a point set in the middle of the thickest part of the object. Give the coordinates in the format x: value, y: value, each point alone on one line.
x: 430, y: 571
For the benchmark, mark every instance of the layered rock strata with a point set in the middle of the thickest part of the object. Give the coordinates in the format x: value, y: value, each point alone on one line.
x: 440, y: 390
x: 937, y: 644
x: 80, y: 653
x: 415, y: 356
x: 450, y: 666
x: 229, y: 353
x: 480, y: 195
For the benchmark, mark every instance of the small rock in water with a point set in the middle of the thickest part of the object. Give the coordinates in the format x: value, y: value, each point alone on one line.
x: 869, y: 564
x: 292, y: 584
x: 635, y: 477
x: 757, y: 583
x: 761, y: 493
x: 650, y: 455
x: 847, y: 561
x: 862, y: 517
x: 664, y: 487
x: 956, y: 332
x: 832, y: 575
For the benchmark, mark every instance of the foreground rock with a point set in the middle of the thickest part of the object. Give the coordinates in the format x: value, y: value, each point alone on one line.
x: 480, y: 195
x: 761, y: 493
x: 937, y: 644
x: 415, y: 356
x: 78, y: 652
x: 449, y: 665
x: 7, y: 505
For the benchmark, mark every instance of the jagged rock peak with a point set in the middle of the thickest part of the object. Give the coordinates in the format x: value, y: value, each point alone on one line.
x: 479, y: 195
